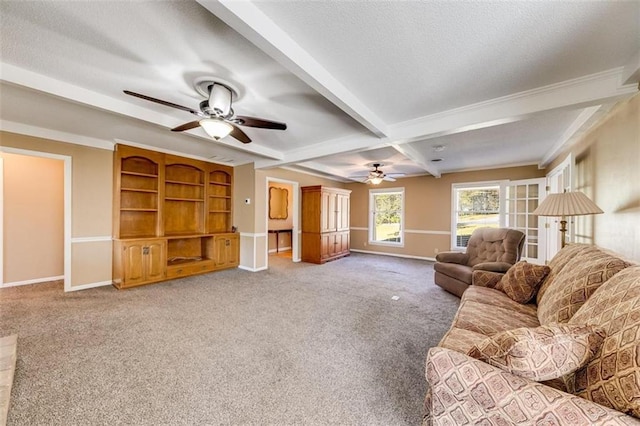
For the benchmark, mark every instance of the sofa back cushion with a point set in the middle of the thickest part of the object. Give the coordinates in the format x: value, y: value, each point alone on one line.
x: 576, y: 282
x: 494, y: 245
x: 612, y: 377
x: 558, y: 263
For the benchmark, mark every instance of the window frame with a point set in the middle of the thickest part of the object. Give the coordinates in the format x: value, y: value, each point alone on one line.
x: 372, y: 194
x: 455, y: 187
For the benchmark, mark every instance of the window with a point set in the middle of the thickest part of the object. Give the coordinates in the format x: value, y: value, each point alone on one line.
x: 474, y: 206
x: 386, y: 216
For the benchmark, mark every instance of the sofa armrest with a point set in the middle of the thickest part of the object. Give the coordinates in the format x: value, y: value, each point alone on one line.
x: 453, y: 257
x: 486, y: 278
x: 464, y: 390
x: 493, y: 266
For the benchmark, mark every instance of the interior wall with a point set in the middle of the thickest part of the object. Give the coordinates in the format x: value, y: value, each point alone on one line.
x: 427, y: 204
x: 284, y: 239
x: 91, y: 209
x: 33, y: 219
x: 607, y: 170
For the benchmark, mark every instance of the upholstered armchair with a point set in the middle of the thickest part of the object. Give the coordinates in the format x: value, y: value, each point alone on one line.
x: 489, y: 249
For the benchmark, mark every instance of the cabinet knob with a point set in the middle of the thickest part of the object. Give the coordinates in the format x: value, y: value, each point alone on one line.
x: 145, y: 250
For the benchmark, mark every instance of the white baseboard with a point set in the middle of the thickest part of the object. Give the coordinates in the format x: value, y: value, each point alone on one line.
x: 34, y: 281
x: 406, y: 256
x: 280, y: 249
x: 246, y: 268
x: 90, y: 285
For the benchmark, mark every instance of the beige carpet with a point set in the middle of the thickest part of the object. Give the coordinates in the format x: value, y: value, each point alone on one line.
x: 297, y: 344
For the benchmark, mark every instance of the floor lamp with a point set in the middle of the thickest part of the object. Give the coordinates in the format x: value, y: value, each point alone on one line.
x: 566, y: 204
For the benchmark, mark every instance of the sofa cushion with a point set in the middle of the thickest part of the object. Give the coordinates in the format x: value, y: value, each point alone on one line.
x: 460, y: 340
x: 490, y: 319
x: 612, y: 378
x: 558, y: 263
x: 522, y: 280
x: 541, y: 353
x: 576, y: 282
x: 492, y: 297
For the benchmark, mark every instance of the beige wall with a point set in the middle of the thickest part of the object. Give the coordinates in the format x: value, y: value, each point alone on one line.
x: 427, y: 209
x: 91, y: 210
x: 608, y: 170
x: 33, y: 212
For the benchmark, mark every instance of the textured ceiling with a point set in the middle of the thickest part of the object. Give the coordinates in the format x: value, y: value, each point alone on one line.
x: 495, y: 83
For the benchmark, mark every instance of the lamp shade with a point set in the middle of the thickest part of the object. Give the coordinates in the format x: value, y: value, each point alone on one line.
x: 217, y: 128
x: 376, y: 180
x: 567, y: 204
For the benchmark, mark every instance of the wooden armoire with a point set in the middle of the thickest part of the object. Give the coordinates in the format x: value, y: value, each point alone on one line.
x: 325, y: 223
x: 172, y: 217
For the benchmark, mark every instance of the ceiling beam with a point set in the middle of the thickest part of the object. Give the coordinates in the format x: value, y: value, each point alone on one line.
x: 417, y: 157
x: 631, y: 72
x: 248, y: 20
x: 583, y: 92
x: 79, y: 95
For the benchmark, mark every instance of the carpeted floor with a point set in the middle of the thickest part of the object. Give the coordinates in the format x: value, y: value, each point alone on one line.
x: 297, y: 344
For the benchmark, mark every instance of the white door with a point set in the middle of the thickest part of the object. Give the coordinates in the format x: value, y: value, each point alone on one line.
x: 558, y: 180
x: 522, y: 198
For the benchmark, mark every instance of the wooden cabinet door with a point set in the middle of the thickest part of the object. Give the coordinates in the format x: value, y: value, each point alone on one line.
x: 143, y: 261
x: 155, y: 261
x: 219, y: 251
x: 342, y: 216
x: 328, y: 212
x: 233, y: 251
x: 327, y: 246
x: 133, y: 263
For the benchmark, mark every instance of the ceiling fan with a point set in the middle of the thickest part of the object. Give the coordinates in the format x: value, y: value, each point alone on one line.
x: 216, y: 116
x: 376, y: 176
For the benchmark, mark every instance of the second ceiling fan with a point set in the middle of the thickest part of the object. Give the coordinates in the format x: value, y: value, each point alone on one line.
x: 376, y: 176
x: 216, y: 115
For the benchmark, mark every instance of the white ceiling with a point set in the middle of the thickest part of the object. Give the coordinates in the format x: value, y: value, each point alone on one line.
x: 494, y: 83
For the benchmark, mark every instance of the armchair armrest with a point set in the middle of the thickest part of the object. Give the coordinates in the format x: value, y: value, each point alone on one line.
x: 453, y: 257
x: 493, y: 266
x: 485, y: 278
x: 464, y: 390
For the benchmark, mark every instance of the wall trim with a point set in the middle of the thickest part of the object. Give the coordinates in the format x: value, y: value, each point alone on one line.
x: 91, y: 239
x: 280, y: 249
x: 406, y: 256
x: 407, y: 231
x: 33, y: 281
x: 90, y: 285
x: 253, y: 235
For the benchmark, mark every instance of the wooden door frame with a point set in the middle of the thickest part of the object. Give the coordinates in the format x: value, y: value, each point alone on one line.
x: 295, y: 235
x: 66, y: 208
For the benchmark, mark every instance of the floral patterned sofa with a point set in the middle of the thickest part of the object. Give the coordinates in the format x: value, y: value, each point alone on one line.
x: 556, y: 345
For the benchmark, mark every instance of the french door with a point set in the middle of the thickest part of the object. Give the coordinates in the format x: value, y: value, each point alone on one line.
x: 521, y: 199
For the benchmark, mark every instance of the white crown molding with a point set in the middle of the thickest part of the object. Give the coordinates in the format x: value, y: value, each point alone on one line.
x: 500, y: 166
x: 310, y: 173
x: 248, y: 20
x: 172, y: 152
x: 39, y: 132
x: 589, y: 90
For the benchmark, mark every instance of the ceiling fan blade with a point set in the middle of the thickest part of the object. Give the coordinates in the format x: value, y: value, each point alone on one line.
x: 395, y: 174
x: 390, y: 179
x: 259, y: 122
x: 161, y: 102
x: 239, y: 134
x: 187, y: 126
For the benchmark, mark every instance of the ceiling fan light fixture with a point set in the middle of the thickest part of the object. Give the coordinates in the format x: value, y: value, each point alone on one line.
x: 217, y: 128
x: 376, y: 180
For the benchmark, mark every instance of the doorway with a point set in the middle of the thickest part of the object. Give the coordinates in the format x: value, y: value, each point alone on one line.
x: 282, y: 213
x: 35, y: 217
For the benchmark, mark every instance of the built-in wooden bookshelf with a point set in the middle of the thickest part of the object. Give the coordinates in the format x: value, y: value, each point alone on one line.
x: 172, y: 217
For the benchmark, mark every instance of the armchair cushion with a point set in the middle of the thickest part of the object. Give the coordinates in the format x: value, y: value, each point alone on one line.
x: 541, y: 353
x: 453, y: 257
x: 522, y: 280
x: 492, y: 266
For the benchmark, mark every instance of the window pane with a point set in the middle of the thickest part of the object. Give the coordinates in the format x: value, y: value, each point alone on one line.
x: 477, y: 207
x: 387, y: 217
